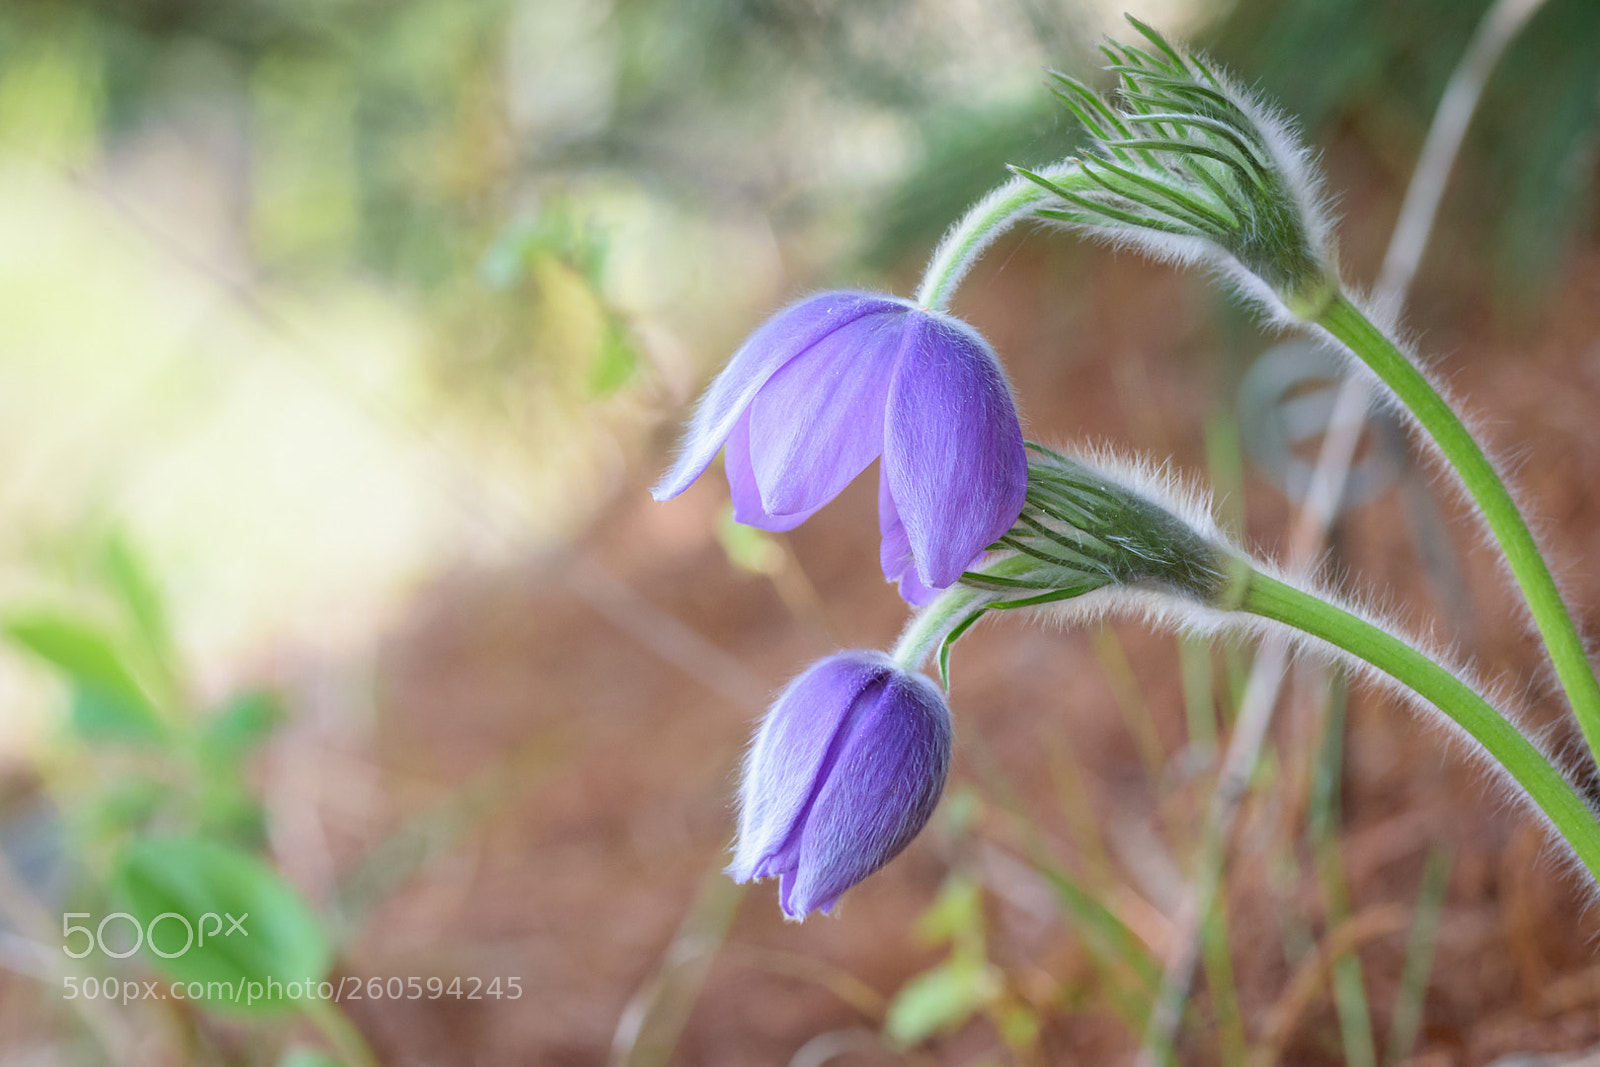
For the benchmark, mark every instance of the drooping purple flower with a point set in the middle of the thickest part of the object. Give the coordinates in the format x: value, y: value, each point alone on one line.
x: 844, y: 771
x: 827, y: 385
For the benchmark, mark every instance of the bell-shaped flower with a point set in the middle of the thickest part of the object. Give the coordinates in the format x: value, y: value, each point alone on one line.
x: 844, y: 771
x: 826, y: 386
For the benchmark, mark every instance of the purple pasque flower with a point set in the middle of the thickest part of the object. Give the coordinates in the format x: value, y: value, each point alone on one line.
x: 844, y: 771
x: 827, y: 385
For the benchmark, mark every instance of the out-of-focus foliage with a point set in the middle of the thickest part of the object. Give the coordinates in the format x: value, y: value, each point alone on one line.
x: 151, y: 816
x: 404, y: 138
x: 271, y: 938
x: 136, y: 752
x: 578, y: 203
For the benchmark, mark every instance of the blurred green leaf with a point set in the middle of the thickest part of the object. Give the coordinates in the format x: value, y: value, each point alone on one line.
x: 121, y: 806
x: 505, y: 261
x: 280, y: 940
x: 961, y: 810
x: 556, y: 234
x: 614, y: 363
x: 956, y: 912
x: 229, y: 811
x: 1019, y: 1026
x: 242, y: 724
x: 108, y: 704
x: 941, y: 1000
x: 98, y: 715
x: 137, y: 590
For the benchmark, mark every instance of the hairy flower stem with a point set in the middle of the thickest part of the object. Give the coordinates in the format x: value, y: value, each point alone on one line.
x: 1347, y: 323
x: 949, y: 616
x: 929, y: 627
x: 980, y: 226
x: 1271, y: 599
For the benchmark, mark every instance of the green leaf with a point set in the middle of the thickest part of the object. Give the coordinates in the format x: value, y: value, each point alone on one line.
x: 243, y: 723
x: 957, y: 910
x: 97, y: 715
x: 278, y: 940
x: 107, y: 702
x: 961, y: 810
x: 122, y: 806
x: 505, y: 261
x: 229, y: 811
x: 941, y: 1000
x: 1019, y: 1026
x: 140, y: 596
x: 614, y: 363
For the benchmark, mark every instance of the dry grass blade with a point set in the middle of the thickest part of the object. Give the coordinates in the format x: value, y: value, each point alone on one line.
x: 648, y: 1030
x: 1309, y: 979
x: 867, y: 1001
x: 1406, y: 1021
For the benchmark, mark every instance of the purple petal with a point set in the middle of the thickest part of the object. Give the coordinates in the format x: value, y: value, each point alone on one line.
x: 747, y: 506
x: 953, y: 453
x: 818, y: 422
x: 894, y: 550
x: 883, y: 787
x: 781, y: 338
x: 792, y: 753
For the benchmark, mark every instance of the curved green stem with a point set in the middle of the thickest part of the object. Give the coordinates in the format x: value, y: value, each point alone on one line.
x: 1346, y: 322
x: 929, y: 627
x: 951, y: 609
x: 966, y: 240
x: 1572, y: 819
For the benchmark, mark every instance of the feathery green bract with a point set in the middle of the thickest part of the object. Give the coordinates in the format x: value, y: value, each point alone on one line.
x: 1178, y: 152
x: 1082, y: 530
x: 1085, y: 532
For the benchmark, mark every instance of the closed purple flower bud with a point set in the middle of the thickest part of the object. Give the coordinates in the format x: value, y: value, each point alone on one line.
x: 844, y: 771
x: 826, y: 386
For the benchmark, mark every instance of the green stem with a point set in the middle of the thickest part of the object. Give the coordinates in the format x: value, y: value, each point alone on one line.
x: 929, y: 626
x: 985, y: 221
x: 1346, y: 322
x: 1572, y: 819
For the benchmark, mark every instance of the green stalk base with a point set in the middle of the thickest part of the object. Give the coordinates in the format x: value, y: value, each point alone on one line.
x: 1346, y: 322
x: 1554, y: 795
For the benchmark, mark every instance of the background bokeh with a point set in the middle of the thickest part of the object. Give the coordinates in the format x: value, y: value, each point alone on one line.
x: 339, y: 342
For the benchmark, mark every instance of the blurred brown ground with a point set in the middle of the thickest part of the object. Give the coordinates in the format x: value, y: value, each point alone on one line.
x: 622, y: 733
